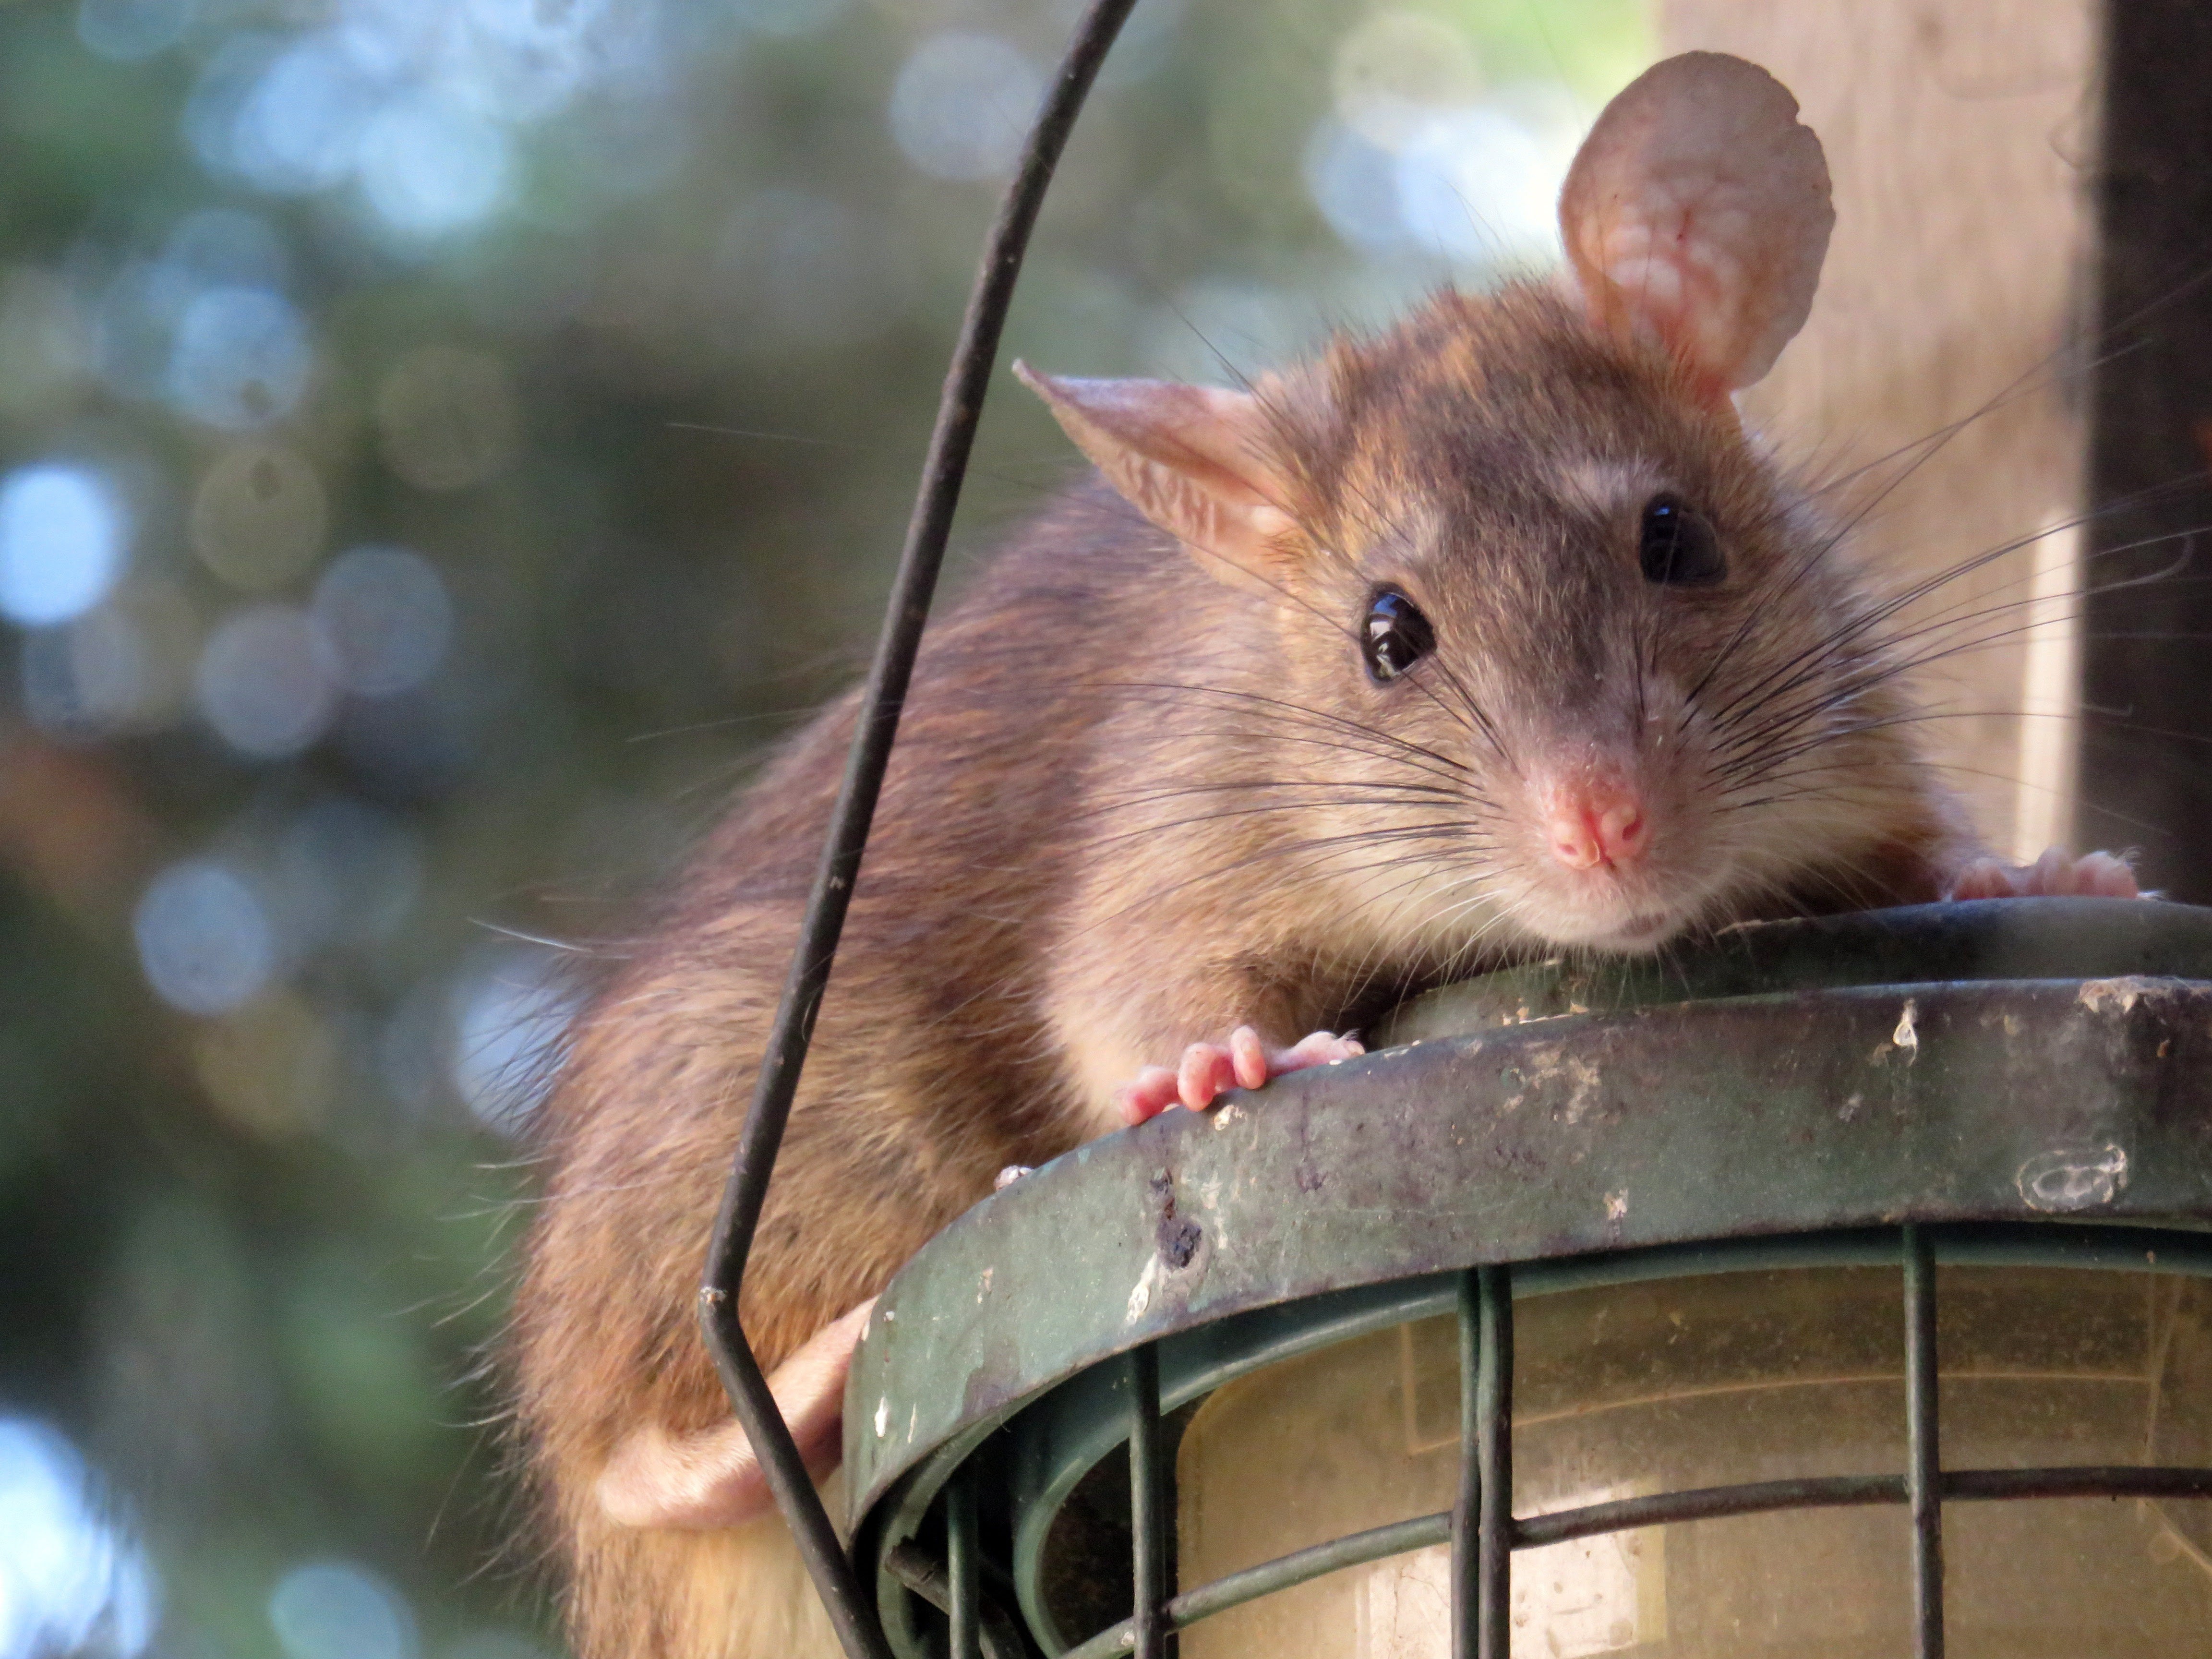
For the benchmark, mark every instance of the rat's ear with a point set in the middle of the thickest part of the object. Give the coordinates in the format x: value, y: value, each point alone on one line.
x: 1195, y: 460
x: 1697, y: 215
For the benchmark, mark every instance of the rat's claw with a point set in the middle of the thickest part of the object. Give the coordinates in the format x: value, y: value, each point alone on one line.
x: 1318, y: 1048
x: 2103, y: 875
x: 2056, y: 874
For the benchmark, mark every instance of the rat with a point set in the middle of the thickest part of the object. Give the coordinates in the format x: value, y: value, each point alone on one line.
x: 1493, y: 635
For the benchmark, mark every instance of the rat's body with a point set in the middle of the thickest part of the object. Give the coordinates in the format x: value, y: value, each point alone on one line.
x: 1134, y: 805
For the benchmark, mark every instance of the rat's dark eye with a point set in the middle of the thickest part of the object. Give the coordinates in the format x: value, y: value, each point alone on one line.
x: 1679, y: 546
x: 1396, y: 636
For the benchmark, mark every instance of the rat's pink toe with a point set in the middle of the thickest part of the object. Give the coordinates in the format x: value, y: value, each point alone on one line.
x: 2105, y: 876
x: 1984, y: 879
x: 1249, y: 1057
x: 1150, y: 1093
x: 1208, y: 1069
x: 1316, y: 1048
x: 2056, y: 874
x: 2050, y: 876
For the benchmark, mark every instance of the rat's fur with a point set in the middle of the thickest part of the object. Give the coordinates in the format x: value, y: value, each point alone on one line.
x: 1132, y: 806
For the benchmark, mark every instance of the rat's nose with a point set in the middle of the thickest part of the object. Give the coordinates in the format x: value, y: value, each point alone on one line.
x: 1596, y: 822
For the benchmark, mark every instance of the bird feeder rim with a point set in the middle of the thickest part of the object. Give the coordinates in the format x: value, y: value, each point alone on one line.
x: 1574, y: 1120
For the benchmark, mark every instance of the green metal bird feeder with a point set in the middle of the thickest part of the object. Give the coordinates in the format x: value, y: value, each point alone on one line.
x: 1716, y: 1307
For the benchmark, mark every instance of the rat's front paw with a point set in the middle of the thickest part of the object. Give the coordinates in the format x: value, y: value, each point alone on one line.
x: 1208, y: 1069
x: 2056, y: 874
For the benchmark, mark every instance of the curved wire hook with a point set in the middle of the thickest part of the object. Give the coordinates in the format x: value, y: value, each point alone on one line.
x: 852, y: 1610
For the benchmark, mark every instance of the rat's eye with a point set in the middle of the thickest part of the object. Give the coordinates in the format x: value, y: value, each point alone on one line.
x: 1396, y: 636
x: 1679, y: 546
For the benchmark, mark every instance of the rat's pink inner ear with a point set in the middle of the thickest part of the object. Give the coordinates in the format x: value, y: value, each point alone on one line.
x: 1697, y: 215
x: 1195, y: 460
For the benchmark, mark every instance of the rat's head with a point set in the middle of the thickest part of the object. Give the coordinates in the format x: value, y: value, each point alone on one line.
x: 1593, y: 672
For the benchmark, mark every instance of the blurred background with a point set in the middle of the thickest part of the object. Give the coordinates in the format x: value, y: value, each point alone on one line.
x: 441, y: 442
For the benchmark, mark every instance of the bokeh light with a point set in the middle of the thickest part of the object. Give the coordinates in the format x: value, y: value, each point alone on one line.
x: 1482, y: 184
x: 241, y: 358
x: 961, y: 103
x: 204, y: 937
x: 341, y: 1610
x: 227, y: 82
x: 398, y: 39
x: 45, y: 348
x: 90, y: 677
x: 131, y: 659
x: 298, y: 124
x: 387, y: 618
x: 1354, y: 182
x: 267, y: 681
x: 429, y: 165
x: 1397, y: 71
x: 63, y: 536
x: 510, y: 1011
x: 523, y: 60
x: 72, y: 1579
x: 260, y: 515
x: 447, y: 417
x: 1424, y: 156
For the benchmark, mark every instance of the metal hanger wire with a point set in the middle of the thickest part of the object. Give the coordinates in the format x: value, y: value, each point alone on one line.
x: 851, y: 1608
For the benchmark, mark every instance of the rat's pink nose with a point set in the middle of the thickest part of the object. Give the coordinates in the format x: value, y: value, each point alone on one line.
x: 1594, y: 824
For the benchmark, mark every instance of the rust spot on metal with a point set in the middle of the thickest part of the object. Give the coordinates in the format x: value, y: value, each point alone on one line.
x: 1179, y: 1240
x: 1177, y: 1237
x: 2102, y: 996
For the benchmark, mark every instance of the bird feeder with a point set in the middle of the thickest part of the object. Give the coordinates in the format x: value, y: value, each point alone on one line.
x: 1839, y: 1289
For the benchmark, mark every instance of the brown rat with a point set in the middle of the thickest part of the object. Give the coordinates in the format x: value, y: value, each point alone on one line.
x: 1493, y: 635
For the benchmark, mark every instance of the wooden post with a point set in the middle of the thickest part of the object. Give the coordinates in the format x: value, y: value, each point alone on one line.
x: 2146, y: 754
x: 1961, y: 138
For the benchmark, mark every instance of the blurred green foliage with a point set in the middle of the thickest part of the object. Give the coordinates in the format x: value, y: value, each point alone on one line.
x: 625, y: 319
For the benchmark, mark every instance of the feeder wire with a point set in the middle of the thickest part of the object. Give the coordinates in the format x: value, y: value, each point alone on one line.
x: 852, y: 1609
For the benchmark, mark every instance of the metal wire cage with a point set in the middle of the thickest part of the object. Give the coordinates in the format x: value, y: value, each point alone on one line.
x: 2011, y: 1087
x: 2021, y: 1084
